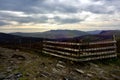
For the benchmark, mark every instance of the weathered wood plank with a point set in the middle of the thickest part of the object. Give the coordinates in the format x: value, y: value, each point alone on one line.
x: 59, y: 47
x: 70, y: 43
x: 84, y: 59
x: 100, y: 48
x: 77, y: 50
x: 79, y: 54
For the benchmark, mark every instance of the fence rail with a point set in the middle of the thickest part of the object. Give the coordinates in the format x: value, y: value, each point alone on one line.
x: 81, y: 51
x: 71, y: 43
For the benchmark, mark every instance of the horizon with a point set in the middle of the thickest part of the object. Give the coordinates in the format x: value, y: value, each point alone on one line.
x: 45, y: 15
x: 60, y: 29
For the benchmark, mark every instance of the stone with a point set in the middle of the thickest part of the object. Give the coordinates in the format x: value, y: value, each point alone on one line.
x: 11, y: 76
x: 89, y: 75
x: 60, y: 65
x: 44, y: 74
x: 18, y: 75
x: 19, y: 57
x: 80, y: 71
x: 116, y: 72
x: 2, y: 76
x: 115, y: 77
x: 15, y: 76
x: 55, y: 70
x: 9, y: 69
x: 61, y: 62
x: 17, y: 50
x: 43, y: 64
x: 94, y: 65
x: 105, y: 78
x: 2, y: 56
x: 67, y: 78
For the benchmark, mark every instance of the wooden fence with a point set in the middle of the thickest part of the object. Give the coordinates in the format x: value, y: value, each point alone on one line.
x: 80, y: 51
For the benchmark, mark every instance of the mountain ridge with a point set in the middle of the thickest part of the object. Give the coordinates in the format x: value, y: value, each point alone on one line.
x: 53, y: 34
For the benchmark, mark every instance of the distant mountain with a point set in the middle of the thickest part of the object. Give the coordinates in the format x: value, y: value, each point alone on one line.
x: 54, y: 34
x: 94, y: 32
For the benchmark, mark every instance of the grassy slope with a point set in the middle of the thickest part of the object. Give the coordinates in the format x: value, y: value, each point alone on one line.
x: 35, y: 65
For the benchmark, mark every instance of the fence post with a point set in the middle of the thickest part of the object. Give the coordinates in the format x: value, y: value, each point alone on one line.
x: 114, y: 38
x: 42, y: 45
x: 78, y: 53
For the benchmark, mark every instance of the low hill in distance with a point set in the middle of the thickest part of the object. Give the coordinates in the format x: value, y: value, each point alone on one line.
x: 8, y: 38
x: 53, y: 34
x: 90, y: 38
x: 111, y: 32
x: 94, y: 32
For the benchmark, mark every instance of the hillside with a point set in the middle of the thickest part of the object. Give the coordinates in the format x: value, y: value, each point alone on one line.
x: 8, y: 38
x: 54, y: 34
x: 111, y: 32
x: 16, y: 65
x: 31, y: 65
x: 94, y: 32
x: 89, y: 38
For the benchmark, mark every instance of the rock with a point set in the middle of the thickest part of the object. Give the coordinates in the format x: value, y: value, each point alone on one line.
x: 43, y: 74
x: 66, y: 78
x: 2, y: 76
x: 17, y: 50
x: 105, y: 78
x: 2, y: 56
x: 115, y: 77
x: 42, y: 64
x: 79, y: 71
x: 9, y: 69
x: 15, y: 76
x: 55, y: 70
x: 19, y: 57
x: 11, y: 61
x: 50, y: 63
x: 115, y: 74
x: 11, y: 76
x: 89, y: 75
x: 27, y: 74
x: 60, y: 65
x: 94, y: 65
x: 61, y: 62
x: 18, y: 75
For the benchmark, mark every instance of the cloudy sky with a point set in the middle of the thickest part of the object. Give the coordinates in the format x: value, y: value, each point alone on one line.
x: 43, y: 15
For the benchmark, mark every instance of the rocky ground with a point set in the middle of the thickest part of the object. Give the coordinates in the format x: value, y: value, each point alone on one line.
x: 16, y: 65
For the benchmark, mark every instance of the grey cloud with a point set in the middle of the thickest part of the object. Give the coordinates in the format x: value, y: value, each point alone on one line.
x: 2, y: 23
x: 45, y: 7
x: 29, y: 6
x: 17, y: 5
x: 99, y: 9
x: 67, y: 21
x: 20, y: 20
